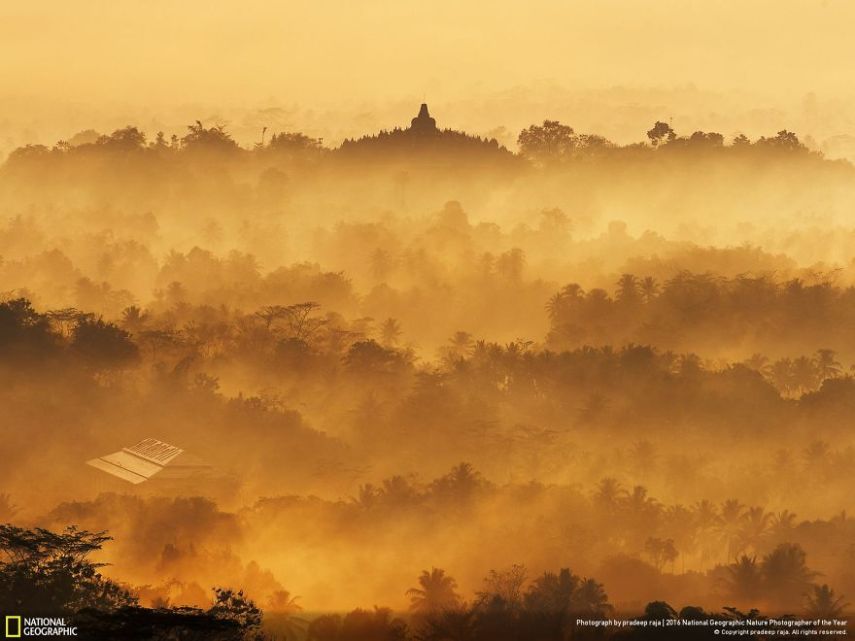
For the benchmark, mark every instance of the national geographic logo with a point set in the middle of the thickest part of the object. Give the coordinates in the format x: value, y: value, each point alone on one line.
x: 18, y: 627
x: 13, y: 627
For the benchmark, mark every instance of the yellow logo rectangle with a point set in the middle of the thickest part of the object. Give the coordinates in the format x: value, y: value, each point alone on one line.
x: 13, y: 627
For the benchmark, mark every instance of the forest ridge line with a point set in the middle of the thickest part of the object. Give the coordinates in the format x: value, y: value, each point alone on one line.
x: 541, y: 144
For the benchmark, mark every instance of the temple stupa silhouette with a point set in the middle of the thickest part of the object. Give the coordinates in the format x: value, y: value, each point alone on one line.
x: 423, y: 123
x: 424, y: 142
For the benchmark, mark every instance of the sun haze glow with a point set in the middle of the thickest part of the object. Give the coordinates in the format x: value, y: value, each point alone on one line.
x: 65, y: 59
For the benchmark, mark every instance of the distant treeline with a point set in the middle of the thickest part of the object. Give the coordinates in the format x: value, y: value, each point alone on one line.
x: 688, y: 313
x: 752, y: 558
x: 712, y: 312
x: 548, y: 144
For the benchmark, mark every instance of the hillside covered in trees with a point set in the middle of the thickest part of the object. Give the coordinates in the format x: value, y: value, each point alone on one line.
x: 445, y: 390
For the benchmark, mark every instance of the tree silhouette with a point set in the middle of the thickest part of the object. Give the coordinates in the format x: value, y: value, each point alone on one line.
x: 609, y: 493
x: 552, y: 593
x: 461, y: 484
x: 103, y: 344
x: 745, y: 580
x: 126, y: 139
x: 658, y: 610
x: 754, y: 528
x: 210, y: 139
x: 590, y: 600
x: 235, y: 606
x: 649, y: 288
x: 358, y: 625
x: 24, y: 333
x: 827, y: 365
x: 661, y: 132
x: 44, y: 571
x: 390, y: 332
x: 66, y: 317
x: 661, y: 551
x: 504, y: 585
x: 823, y: 603
x: 628, y: 291
x: 133, y: 318
x: 436, y: 591
x: 786, y: 576
x: 548, y: 142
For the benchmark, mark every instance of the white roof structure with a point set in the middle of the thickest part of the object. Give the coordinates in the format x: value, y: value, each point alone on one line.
x: 148, y: 458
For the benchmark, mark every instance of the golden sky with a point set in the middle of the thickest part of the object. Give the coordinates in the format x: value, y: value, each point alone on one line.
x: 168, y: 51
x: 337, y: 69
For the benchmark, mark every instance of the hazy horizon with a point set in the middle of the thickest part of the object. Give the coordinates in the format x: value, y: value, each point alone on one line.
x: 341, y: 70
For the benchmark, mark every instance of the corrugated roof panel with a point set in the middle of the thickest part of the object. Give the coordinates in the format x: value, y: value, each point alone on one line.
x: 115, y: 470
x: 156, y: 451
x: 133, y: 463
x: 151, y: 457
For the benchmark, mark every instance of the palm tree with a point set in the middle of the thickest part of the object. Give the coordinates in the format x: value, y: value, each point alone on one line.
x: 461, y: 345
x: 573, y: 291
x: 554, y: 307
x: 461, y: 482
x: 590, y: 598
x: 729, y: 523
x: 755, y: 523
x: 282, y: 601
x: 133, y: 318
x: 279, y: 616
x: 552, y: 592
x: 649, y: 288
x: 706, y: 515
x: 782, y: 523
x: 827, y: 365
x: 609, y: 492
x: 390, y: 332
x: 639, y: 505
x: 559, y: 303
x: 706, y: 520
x: 627, y: 289
x: 786, y: 574
x: 745, y: 580
x: 437, y: 592
x: 824, y: 604
x: 805, y: 374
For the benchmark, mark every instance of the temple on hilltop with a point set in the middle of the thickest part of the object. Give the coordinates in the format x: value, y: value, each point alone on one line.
x: 423, y: 142
x: 423, y: 123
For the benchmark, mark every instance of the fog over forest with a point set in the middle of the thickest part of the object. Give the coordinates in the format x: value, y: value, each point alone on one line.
x: 399, y: 321
x: 619, y: 374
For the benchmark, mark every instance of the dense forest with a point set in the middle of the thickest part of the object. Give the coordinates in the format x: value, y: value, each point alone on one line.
x: 446, y: 390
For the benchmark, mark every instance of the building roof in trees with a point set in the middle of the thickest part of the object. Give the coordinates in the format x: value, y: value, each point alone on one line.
x: 148, y: 458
